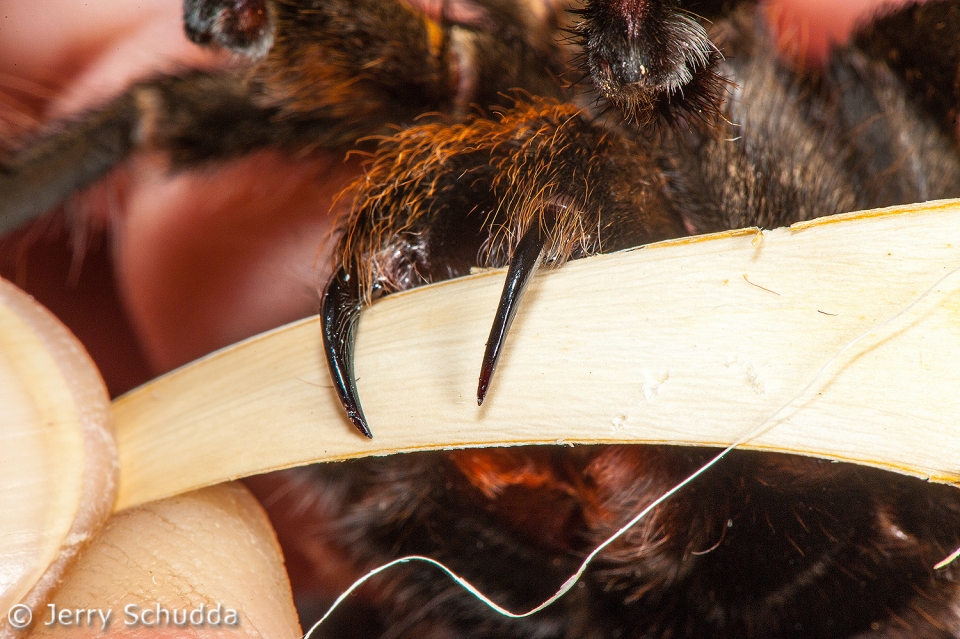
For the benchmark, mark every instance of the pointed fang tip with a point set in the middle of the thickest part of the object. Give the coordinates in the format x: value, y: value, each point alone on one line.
x: 486, y: 372
x: 361, y: 425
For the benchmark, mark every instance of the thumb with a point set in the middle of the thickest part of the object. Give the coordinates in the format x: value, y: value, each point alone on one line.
x: 204, y: 564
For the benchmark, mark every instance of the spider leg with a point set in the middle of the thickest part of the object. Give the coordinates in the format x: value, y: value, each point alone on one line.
x: 526, y: 258
x: 918, y: 42
x: 49, y: 171
x: 322, y: 77
x: 899, y: 105
x: 196, y: 117
x: 339, y: 315
x: 242, y: 26
x: 652, y: 60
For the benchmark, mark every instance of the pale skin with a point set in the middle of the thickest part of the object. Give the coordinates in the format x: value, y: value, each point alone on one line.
x: 204, y: 259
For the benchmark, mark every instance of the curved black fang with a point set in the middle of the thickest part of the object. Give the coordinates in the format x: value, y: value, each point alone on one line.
x: 339, y: 315
x: 523, y: 265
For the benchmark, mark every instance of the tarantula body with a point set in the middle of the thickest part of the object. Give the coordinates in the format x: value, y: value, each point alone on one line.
x: 439, y: 199
x: 482, y: 154
x: 766, y: 546
x: 782, y: 147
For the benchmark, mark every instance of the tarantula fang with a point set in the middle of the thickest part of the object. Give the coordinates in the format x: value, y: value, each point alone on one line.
x: 523, y: 264
x: 339, y: 315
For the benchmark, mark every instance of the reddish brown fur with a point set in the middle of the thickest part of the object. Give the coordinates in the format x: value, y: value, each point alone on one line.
x: 550, y: 168
x: 318, y: 73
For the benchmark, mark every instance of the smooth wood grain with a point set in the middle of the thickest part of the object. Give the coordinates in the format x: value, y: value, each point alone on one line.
x: 687, y: 342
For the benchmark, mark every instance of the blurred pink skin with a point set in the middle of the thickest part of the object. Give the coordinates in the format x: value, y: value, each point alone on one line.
x: 202, y: 259
x: 206, y: 258
x: 211, y: 257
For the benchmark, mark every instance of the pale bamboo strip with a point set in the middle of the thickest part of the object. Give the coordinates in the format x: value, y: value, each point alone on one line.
x: 686, y: 342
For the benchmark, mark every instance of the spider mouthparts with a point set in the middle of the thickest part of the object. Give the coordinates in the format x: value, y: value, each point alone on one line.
x: 523, y: 265
x: 339, y: 315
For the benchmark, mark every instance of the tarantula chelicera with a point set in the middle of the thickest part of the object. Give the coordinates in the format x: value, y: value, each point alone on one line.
x: 488, y: 149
